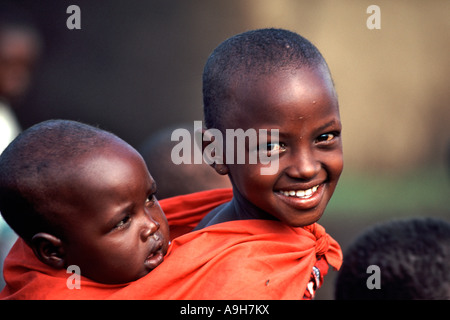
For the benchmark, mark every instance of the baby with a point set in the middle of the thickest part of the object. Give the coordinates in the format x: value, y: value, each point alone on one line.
x: 81, y: 196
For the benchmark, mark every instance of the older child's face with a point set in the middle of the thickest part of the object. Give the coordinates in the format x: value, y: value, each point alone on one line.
x: 116, y: 230
x: 303, y: 106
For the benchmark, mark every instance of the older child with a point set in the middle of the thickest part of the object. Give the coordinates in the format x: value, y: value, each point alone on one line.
x: 78, y: 195
x: 276, y: 79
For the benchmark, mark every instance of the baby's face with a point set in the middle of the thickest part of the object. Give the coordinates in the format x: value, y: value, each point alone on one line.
x: 303, y: 106
x: 116, y: 230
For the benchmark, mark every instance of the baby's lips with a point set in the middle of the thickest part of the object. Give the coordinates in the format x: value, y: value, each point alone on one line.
x: 154, y: 259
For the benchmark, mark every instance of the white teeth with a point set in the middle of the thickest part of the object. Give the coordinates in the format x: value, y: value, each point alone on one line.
x: 300, y: 193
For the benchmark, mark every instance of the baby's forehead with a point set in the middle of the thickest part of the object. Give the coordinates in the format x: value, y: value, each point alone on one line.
x: 91, y: 163
x: 100, y: 172
x: 113, y: 153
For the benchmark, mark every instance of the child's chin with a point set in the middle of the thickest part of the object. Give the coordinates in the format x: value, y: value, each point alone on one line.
x: 304, y: 219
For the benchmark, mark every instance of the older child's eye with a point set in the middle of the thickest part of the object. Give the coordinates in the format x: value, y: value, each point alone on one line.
x: 273, y: 148
x: 327, y: 137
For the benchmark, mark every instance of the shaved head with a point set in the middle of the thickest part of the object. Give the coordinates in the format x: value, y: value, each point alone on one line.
x: 39, y: 162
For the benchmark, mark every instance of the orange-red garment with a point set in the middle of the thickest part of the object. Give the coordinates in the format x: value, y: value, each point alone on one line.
x: 247, y: 259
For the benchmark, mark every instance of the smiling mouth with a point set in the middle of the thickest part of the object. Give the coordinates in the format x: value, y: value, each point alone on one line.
x: 303, y: 194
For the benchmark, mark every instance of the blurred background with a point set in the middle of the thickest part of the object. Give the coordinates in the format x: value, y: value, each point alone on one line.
x: 135, y: 67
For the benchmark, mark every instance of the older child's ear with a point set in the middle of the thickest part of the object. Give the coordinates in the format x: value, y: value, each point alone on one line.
x: 48, y: 249
x: 212, y: 150
x: 206, y: 138
x: 221, y: 169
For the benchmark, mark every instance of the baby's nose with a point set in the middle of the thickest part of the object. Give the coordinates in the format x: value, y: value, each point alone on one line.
x: 149, y: 229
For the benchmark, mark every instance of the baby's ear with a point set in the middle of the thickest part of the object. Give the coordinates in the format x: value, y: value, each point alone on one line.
x: 48, y: 249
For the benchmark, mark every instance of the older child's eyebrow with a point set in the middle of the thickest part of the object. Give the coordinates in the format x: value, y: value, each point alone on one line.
x: 331, y: 123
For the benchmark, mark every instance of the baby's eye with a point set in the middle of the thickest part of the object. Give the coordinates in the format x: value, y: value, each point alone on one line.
x: 123, y: 223
x: 150, y: 200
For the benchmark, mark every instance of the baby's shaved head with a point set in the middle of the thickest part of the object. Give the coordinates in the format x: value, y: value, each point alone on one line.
x: 34, y: 165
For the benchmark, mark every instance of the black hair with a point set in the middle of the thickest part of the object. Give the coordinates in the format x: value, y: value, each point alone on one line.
x: 29, y: 167
x: 251, y: 53
x: 413, y: 256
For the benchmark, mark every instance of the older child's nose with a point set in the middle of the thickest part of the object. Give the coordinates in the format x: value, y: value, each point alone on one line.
x: 304, y: 166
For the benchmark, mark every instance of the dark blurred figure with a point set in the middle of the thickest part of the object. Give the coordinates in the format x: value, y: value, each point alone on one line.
x: 20, y: 48
x: 172, y: 179
x: 413, y: 256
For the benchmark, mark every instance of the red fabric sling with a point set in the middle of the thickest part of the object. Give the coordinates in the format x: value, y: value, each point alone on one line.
x: 246, y: 259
